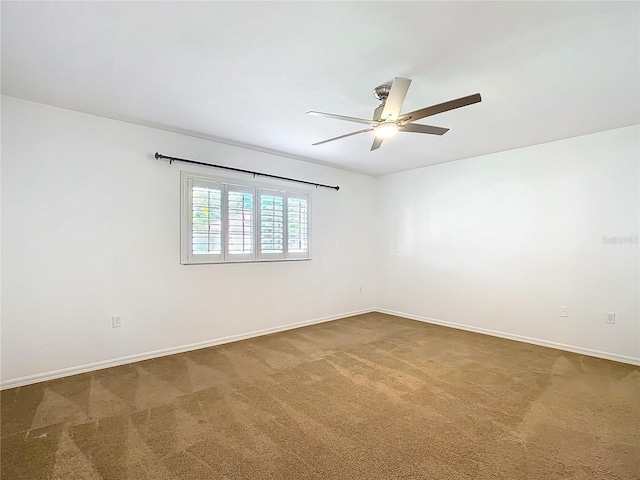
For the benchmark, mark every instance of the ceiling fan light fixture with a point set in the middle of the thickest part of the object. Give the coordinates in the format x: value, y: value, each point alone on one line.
x: 386, y: 130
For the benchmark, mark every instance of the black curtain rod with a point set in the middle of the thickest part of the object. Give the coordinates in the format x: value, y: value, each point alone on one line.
x: 175, y: 159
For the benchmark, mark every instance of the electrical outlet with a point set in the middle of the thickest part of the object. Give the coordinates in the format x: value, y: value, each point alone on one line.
x: 611, y: 317
x: 564, y: 311
x: 116, y: 321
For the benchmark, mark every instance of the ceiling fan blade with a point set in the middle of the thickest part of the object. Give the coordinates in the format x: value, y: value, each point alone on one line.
x: 343, y: 117
x: 377, y: 141
x: 441, y: 107
x: 344, y: 136
x: 417, y: 128
x: 395, y: 99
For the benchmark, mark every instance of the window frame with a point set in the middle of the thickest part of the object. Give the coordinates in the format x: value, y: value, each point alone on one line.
x: 190, y: 179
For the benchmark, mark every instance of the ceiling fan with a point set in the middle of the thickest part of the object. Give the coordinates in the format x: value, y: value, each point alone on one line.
x: 387, y: 120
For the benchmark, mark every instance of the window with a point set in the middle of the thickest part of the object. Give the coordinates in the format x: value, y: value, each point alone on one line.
x: 225, y: 221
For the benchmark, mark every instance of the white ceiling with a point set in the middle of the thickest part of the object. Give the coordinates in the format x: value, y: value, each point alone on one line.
x: 245, y: 73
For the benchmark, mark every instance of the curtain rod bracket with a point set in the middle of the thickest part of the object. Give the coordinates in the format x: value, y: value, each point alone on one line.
x: 159, y: 156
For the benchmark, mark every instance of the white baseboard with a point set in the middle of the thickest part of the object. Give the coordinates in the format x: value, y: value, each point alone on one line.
x: 114, y: 362
x: 520, y: 338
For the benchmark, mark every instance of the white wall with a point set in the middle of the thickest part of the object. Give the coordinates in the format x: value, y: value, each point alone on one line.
x: 497, y: 243
x: 90, y: 228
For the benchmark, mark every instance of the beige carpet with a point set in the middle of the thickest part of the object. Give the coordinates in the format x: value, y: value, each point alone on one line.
x: 367, y: 397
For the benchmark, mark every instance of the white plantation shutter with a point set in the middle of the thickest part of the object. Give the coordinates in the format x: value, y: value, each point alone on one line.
x: 271, y: 231
x: 240, y: 222
x: 227, y: 222
x: 204, y: 221
x: 297, y: 226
